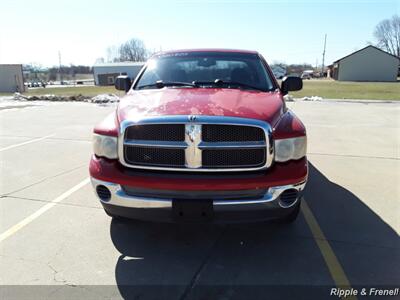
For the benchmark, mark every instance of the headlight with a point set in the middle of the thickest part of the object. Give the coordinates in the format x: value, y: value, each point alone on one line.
x: 105, y: 146
x: 293, y: 148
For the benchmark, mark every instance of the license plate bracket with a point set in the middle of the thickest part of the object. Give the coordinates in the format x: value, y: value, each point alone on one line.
x: 192, y: 210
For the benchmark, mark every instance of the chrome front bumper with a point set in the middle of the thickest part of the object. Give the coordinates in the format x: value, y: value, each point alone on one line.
x: 269, y: 200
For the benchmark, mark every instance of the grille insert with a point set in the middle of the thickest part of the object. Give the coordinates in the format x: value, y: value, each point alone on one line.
x: 233, y: 158
x: 155, y: 156
x: 231, y: 133
x: 156, y: 132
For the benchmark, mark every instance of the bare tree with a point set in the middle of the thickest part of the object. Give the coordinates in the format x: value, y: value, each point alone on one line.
x: 133, y: 50
x: 387, y: 33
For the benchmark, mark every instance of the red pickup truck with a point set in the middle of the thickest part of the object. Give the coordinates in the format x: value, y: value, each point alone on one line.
x: 202, y: 135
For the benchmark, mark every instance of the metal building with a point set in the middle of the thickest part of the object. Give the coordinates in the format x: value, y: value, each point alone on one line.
x: 367, y: 64
x: 11, y: 78
x: 105, y: 74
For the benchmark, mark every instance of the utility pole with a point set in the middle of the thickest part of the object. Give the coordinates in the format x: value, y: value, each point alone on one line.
x: 59, y: 67
x: 323, y: 58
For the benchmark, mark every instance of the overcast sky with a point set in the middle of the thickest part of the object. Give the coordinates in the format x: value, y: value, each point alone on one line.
x: 287, y: 31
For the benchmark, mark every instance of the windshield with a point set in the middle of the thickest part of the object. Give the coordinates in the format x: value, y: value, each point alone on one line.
x: 206, y: 69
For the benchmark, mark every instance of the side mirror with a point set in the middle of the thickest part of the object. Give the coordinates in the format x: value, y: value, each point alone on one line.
x: 123, y: 83
x: 291, y: 83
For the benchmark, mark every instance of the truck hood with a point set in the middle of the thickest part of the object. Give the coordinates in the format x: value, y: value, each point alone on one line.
x: 265, y: 106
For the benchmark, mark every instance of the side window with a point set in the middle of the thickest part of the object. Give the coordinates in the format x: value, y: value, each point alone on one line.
x: 149, y: 77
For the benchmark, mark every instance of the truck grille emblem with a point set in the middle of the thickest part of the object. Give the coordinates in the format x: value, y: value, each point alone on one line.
x: 193, y: 139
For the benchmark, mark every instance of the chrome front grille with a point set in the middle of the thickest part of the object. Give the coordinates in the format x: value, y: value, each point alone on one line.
x: 196, y: 143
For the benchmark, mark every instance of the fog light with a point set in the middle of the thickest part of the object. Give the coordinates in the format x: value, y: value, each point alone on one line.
x: 288, y: 198
x: 103, y: 193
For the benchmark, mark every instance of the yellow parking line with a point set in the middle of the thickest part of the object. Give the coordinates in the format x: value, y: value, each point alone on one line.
x: 12, y: 230
x: 27, y: 142
x: 333, y: 264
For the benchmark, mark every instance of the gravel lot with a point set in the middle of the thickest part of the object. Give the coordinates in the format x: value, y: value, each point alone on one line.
x: 66, y: 247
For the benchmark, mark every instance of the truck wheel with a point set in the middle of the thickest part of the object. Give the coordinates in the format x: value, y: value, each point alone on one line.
x: 290, y: 218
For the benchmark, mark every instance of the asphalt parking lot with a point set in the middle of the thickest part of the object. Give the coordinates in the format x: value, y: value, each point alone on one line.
x: 56, y: 241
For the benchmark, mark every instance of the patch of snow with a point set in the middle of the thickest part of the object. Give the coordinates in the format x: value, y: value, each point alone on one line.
x: 18, y: 96
x: 288, y: 98
x: 104, y: 98
x: 312, y: 98
x: 48, y: 97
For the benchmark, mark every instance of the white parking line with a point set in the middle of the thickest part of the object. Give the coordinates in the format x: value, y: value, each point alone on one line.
x: 9, y: 232
x: 27, y: 142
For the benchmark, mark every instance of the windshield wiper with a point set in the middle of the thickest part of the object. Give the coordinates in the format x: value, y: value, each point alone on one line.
x: 160, y: 84
x: 220, y: 82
